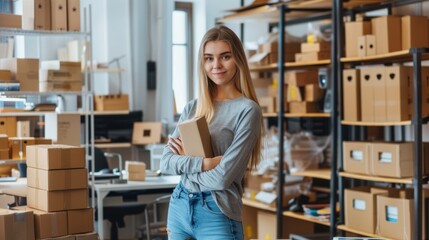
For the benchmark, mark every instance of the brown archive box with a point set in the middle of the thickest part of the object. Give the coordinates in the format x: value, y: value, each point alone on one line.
x: 352, y: 95
x: 195, y: 137
x: 8, y: 126
x: 59, y: 15
x: 357, y: 157
x: 36, y: 15
x: 361, y: 203
x: 147, y: 132
x: 51, y: 157
x: 414, y: 32
x: 380, y: 113
x: 57, y: 179
x: 52, y: 201
x: 387, y: 34
x: 397, y: 93
x: 16, y: 225
x: 353, y: 31
x: 393, y: 159
x: 366, y: 46
x: 73, y: 15
x: 24, y: 70
x: 80, y: 221
x: 367, y: 86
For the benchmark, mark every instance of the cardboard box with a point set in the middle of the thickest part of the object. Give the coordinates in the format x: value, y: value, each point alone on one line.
x: 397, y: 93
x: 254, y: 182
x: 23, y: 129
x: 18, y: 146
x: 414, y: 32
x: 367, y: 86
x: 267, y: 227
x: 353, y: 30
x: 59, y: 15
x: 295, y: 93
x: 250, y: 224
x: 147, y: 132
x: 52, y: 157
x: 424, y: 89
x: 80, y: 221
x: 49, y: 224
x: 57, y: 179
x: 87, y: 236
x: 313, y: 93
x: 387, y: 33
x: 289, y: 49
x: 4, y: 141
x: 73, y: 15
x: 261, y: 59
x: 312, y: 56
x: 195, y: 135
x: 303, y: 107
x: 52, y: 201
x: 393, y: 159
x: 53, y: 86
x: 36, y: 15
x: 40, y: 141
x: 8, y: 126
x: 366, y: 46
x: 5, y: 75
x: 268, y: 104
x: 16, y: 225
x: 357, y: 157
x: 63, y: 128
x: 351, y: 95
x: 316, y: 47
x: 111, y: 102
x: 10, y: 20
x: 60, y: 75
x: 136, y: 170
x: 380, y: 110
x: 361, y: 203
x: 301, y: 78
x: 4, y: 154
x: 24, y: 70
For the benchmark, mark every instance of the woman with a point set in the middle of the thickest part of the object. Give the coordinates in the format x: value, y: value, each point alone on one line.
x: 206, y: 204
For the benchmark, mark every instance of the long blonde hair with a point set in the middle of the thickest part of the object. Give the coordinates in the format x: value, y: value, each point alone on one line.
x: 242, y: 80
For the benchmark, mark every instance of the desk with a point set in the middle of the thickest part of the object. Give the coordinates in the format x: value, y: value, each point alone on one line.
x: 102, y: 190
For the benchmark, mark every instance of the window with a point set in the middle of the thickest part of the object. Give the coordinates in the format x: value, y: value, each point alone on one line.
x: 182, y: 54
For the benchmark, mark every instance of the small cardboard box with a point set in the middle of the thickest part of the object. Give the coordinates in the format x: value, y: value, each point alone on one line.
x: 18, y: 146
x: 357, y: 157
x: 73, y: 15
x: 301, y: 78
x: 392, y: 159
x: 316, y: 47
x: 414, y: 32
x: 351, y: 95
x: 52, y: 157
x: 361, y: 203
x: 57, y: 179
x: 52, y: 201
x: 195, y: 137
x: 59, y: 15
x: 136, y: 170
x: 49, y: 224
x: 268, y: 104
x: 74, y: 86
x: 353, y: 31
x: 387, y: 33
x: 313, y: 93
x: 111, y: 102
x: 62, y: 128
x: 10, y: 20
x: 17, y: 225
x: 36, y: 15
x: 380, y: 110
x: 367, y: 86
x: 87, y: 236
x: 295, y: 93
x: 24, y: 70
x: 5, y: 75
x: 303, y: 107
x: 147, y: 132
x: 8, y: 126
x: 397, y: 93
x: 312, y: 56
x: 80, y: 221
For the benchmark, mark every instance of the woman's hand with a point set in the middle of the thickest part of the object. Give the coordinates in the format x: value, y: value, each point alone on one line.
x: 210, y: 163
x: 175, y: 145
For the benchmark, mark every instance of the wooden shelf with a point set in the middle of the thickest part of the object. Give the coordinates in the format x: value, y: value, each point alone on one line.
x: 347, y: 229
x: 399, y: 56
x: 113, y: 145
x: 289, y: 65
x: 376, y: 124
x: 376, y: 179
x: 316, y: 173
x: 305, y: 218
x: 125, y: 112
x: 108, y: 70
x: 258, y: 205
x: 11, y: 161
x: 298, y: 115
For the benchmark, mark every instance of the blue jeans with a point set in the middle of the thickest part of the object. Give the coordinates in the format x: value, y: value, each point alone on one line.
x: 197, y: 216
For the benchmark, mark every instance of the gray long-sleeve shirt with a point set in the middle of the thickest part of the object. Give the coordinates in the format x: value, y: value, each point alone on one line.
x: 234, y: 130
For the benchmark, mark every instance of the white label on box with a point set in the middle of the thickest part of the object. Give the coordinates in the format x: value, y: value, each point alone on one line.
x: 265, y: 197
x: 356, y: 155
x: 359, y: 204
x: 392, y: 214
x: 385, y: 157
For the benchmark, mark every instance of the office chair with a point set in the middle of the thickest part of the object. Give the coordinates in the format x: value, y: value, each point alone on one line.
x: 115, y: 214
x: 157, y: 225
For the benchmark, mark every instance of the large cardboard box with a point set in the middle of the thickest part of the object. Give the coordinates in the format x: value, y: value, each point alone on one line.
x: 357, y: 157
x: 111, y: 102
x: 16, y: 225
x: 316, y: 47
x: 414, y: 32
x: 24, y: 70
x: 52, y: 201
x: 62, y: 128
x: 136, y: 170
x: 387, y: 33
x: 57, y: 179
x: 52, y: 157
x: 18, y: 146
x: 367, y: 86
x: 267, y: 227
x: 49, y: 224
x: 36, y: 15
x: 351, y: 95
x: 195, y: 135
x: 10, y: 20
x: 147, y: 132
x: 59, y: 15
x: 397, y: 93
x: 80, y: 221
x: 301, y: 78
x: 353, y: 31
x: 303, y: 107
x: 380, y: 110
x: 393, y: 159
x: 361, y: 203
x: 8, y: 126
x: 313, y: 93
x: 73, y: 15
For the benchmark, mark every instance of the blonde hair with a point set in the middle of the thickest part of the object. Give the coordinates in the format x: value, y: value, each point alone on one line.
x: 242, y: 80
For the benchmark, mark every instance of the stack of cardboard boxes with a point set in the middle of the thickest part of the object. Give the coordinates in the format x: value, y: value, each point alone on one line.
x: 303, y: 91
x: 24, y: 71
x: 314, y: 52
x: 267, y: 53
x: 60, y: 76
